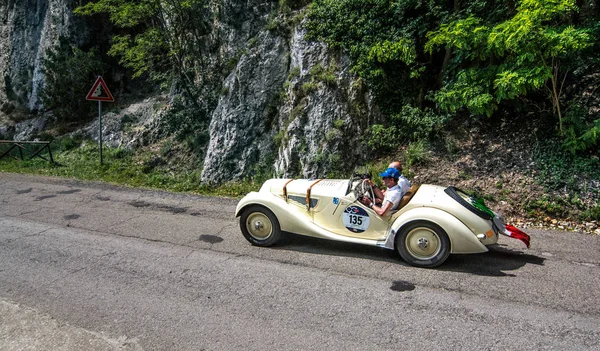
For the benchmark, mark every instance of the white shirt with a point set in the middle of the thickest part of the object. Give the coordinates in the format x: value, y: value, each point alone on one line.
x: 393, y: 195
x: 404, y: 185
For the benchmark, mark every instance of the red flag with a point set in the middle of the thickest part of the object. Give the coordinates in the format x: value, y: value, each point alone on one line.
x: 517, y: 234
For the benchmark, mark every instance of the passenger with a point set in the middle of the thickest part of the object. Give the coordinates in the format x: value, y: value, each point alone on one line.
x: 403, y: 183
x: 393, y: 193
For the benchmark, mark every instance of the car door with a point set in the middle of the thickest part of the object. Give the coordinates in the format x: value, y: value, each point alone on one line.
x: 344, y: 216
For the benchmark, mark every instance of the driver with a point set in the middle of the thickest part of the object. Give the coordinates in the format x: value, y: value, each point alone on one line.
x: 393, y: 194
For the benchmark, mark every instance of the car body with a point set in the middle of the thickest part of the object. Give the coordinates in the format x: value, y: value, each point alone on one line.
x: 431, y: 222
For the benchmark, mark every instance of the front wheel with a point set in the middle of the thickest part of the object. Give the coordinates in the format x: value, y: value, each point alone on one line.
x: 423, y: 244
x: 260, y: 226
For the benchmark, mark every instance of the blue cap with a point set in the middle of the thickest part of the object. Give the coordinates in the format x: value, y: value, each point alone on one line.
x: 390, y: 172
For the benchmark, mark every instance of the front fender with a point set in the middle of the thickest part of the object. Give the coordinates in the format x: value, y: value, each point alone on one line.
x: 295, y: 219
x: 250, y: 199
x: 462, y: 239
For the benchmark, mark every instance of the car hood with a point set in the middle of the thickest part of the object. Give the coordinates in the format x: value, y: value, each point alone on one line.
x: 318, y: 187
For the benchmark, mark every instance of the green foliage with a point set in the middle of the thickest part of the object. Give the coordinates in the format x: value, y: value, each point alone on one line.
x: 417, y: 153
x: 419, y: 124
x: 582, y: 122
x: 69, y: 72
x: 558, y: 168
x: 333, y: 134
x: 145, y: 169
x: 384, y: 40
x: 188, y: 124
x: 309, y: 87
x: 510, y: 59
x: 411, y: 124
x: 382, y: 139
x: 580, y: 133
x: 318, y: 78
x: 547, y: 205
x: 279, y: 138
x: 160, y: 38
x: 338, y: 123
x: 591, y: 214
x: 324, y: 75
x: 402, y: 50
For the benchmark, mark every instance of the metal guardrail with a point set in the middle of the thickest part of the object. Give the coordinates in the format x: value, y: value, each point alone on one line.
x: 20, y: 148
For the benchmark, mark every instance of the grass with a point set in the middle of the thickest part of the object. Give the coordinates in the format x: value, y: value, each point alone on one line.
x: 81, y: 160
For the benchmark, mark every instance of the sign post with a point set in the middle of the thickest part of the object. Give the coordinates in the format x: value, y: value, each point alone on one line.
x: 100, y: 92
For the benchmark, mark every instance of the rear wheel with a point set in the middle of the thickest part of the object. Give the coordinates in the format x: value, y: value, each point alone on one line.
x: 260, y: 226
x: 423, y: 244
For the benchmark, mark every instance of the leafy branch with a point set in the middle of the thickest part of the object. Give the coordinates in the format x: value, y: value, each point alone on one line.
x: 511, y: 59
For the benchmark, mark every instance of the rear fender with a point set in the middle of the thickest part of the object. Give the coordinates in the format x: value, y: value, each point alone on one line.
x: 462, y: 239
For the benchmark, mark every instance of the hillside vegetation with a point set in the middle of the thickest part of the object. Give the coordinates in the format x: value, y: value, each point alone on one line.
x: 498, y: 97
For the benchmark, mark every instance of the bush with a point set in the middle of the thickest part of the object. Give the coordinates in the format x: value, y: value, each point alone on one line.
x: 558, y: 168
x: 581, y: 131
x: 417, y: 124
x: 592, y: 214
x: 70, y: 72
x: 382, y: 139
x: 417, y: 153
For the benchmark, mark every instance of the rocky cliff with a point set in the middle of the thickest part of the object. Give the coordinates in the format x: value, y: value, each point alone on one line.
x: 288, y: 105
x: 28, y: 28
x: 291, y: 103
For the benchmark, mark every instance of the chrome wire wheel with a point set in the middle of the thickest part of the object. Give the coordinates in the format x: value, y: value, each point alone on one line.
x: 260, y: 226
x: 423, y: 244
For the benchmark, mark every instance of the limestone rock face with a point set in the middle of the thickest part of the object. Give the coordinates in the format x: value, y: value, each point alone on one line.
x: 28, y: 29
x: 239, y: 132
x: 134, y: 126
x: 290, y: 106
x: 24, y: 130
x: 327, y: 108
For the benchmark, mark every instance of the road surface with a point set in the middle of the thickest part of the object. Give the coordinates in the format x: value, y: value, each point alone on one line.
x: 91, y: 266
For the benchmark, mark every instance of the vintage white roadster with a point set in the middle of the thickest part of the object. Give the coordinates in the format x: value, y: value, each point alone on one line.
x: 431, y: 222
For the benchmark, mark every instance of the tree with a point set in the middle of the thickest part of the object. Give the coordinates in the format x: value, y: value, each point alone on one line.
x: 161, y: 38
x: 511, y: 59
x: 383, y: 38
x: 69, y: 71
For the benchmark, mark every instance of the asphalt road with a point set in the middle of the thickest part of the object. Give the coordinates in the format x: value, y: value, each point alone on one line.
x: 90, y: 266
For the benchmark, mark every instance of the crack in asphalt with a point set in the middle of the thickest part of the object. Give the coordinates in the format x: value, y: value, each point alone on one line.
x: 120, y: 223
x: 62, y: 278
x: 26, y: 236
x: 29, y: 212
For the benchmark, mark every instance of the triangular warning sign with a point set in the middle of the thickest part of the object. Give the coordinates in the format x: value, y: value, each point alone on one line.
x: 100, y: 92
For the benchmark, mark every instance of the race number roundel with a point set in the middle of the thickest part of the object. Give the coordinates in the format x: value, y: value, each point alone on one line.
x: 356, y: 219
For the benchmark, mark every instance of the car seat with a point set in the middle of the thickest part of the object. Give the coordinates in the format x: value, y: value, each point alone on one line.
x: 409, y: 194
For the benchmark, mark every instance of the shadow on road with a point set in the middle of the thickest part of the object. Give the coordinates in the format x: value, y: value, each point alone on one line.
x: 306, y: 244
x: 493, y: 263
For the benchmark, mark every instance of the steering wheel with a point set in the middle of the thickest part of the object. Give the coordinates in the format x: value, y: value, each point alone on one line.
x: 364, y: 189
x: 368, y: 190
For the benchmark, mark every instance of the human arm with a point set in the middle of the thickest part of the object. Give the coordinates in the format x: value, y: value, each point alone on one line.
x: 380, y: 210
x: 379, y: 195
